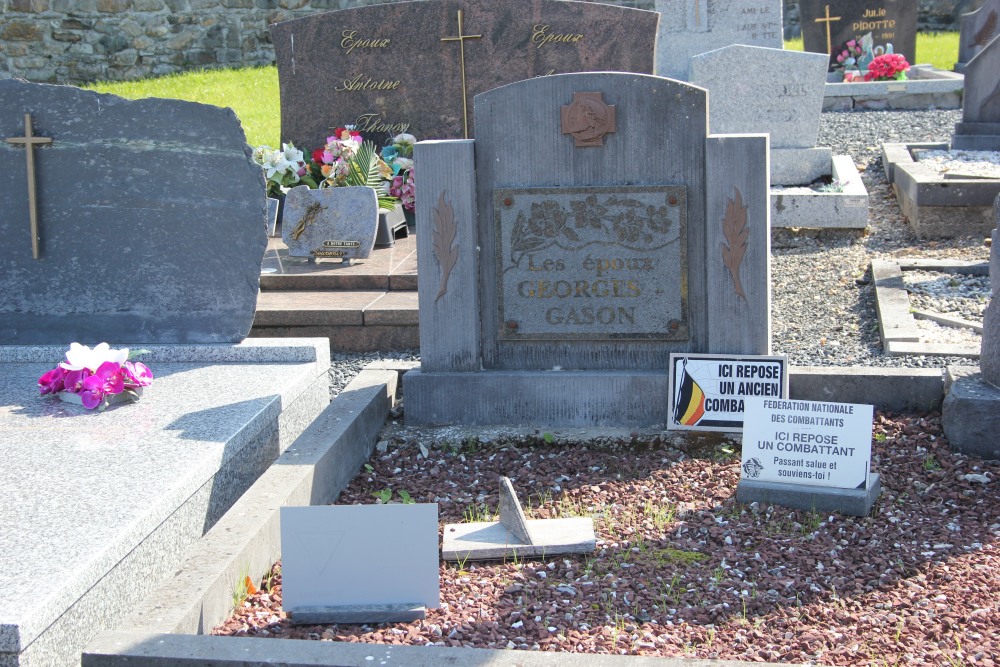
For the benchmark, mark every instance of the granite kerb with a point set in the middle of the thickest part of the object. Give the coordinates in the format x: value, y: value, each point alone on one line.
x: 122, y: 558
x: 315, y: 469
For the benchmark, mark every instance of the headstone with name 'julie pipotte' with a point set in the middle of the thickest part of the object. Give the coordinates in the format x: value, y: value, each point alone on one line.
x: 416, y: 66
x: 558, y: 272
x: 118, y: 227
x: 690, y: 27
x: 827, y: 26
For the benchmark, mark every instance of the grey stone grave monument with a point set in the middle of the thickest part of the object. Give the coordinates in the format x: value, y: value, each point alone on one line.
x: 416, y: 66
x: 559, y: 270
x: 140, y: 224
x: 690, y: 27
x: 970, y: 413
x: 980, y: 126
x: 827, y: 26
x: 785, y: 99
x: 976, y: 30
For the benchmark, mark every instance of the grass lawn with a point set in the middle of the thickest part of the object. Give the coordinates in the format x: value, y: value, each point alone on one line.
x: 937, y: 48
x: 253, y: 92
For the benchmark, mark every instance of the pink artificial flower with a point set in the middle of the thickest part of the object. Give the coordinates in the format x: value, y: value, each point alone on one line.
x: 92, y: 392
x: 73, y: 381
x: 112, y: 377
x: 851, y: 43
x: 52, y: 382
x: 137, y: 375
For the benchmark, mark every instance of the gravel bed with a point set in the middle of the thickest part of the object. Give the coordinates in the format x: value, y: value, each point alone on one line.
x: 963, y: 164
x: 823, y: 302
x: 680, y: 569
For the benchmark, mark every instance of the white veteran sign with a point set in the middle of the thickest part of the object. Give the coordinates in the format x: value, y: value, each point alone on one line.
x: 807, y: 442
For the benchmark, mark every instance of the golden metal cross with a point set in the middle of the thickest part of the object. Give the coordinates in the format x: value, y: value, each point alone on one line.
x: 30, y: 141
x: 828, y: 20
x: 460, y: 38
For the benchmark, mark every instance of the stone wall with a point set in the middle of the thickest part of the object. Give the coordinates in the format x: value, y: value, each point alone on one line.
x: 79, y: 41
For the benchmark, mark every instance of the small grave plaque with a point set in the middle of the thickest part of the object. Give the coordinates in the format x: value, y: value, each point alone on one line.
x: 709, y: 391
x: 359, y: 563
x: 807, y: 442
x: 330, y: 223
x: 592, y: 263
x: 828, y: 25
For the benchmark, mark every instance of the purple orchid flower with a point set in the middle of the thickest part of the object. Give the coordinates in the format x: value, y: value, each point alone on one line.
x: 92, y: 392
x: 137, y: 375
x: 52, y: 382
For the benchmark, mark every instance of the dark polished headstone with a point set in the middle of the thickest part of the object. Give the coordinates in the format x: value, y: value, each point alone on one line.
x: 827, y: 25
x: 150, y: 219
x: 398, y: 67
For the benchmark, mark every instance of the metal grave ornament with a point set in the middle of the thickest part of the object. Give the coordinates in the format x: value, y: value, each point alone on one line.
x: 588, y: 119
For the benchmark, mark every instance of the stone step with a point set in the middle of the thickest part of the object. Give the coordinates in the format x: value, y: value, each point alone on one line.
x: 367, y: 305
x: 353, y: 320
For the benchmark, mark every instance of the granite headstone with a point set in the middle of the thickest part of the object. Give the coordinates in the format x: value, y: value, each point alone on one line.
x: 330, y: 223
x: 690, y: 27
x: 827, y: 25
x: 784, y: 98
x: 150, y: 219
x: 416, y: 66
x: 553, y: 289
x: 980, y: 126
x: 976, y: 29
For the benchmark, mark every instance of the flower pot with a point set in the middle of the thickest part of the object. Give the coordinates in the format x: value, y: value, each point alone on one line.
x: 274, y: 206
x: 112, y: 399
x: 391, y: 225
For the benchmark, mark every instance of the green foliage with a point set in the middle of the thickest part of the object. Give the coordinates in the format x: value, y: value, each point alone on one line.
x: 364, y: 170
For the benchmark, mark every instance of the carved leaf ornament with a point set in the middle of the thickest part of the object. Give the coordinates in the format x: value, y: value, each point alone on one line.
x: 444, y: 237
x: 734, y: 228
x: 987, y: 31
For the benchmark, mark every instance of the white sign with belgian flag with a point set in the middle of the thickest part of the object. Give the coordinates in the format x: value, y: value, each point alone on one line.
x: 708, y: 391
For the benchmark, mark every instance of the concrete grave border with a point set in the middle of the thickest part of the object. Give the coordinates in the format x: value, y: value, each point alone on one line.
x: 165, y: 629
x: 799, y: 206
x: 924, y: 88
x: 896, y: 319
x: 937, y: 207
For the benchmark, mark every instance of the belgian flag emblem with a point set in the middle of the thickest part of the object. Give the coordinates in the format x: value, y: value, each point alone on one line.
x: 690, y: 405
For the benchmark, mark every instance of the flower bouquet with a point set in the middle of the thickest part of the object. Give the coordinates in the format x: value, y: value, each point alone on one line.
x: 888, y: 67
x: 399, y: 157
x: 847, y: 59
x: 96, y: 378
x: 283, y: 169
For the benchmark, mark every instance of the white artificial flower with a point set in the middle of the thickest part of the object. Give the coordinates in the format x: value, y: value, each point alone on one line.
x: 79, y: 357
x: 292, y: 154
x: 404, y: 140
x: 404, y: 163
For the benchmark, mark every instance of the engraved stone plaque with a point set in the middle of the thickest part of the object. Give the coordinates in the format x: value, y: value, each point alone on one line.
x: 592, y: 263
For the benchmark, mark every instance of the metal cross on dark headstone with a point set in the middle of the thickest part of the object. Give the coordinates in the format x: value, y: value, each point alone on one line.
x: 828, y: 20
x: 460, y: 38
x: 30, y: 141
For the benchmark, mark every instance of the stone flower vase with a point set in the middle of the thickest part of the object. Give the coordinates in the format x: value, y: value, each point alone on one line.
x: 274, y: 207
